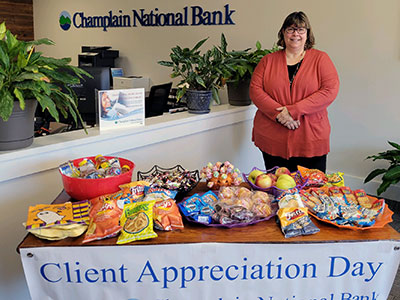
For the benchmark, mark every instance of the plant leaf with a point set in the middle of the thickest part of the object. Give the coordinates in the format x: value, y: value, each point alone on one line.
x: 383, y: 187
x: 20, y: 97
x: 373, y: 174
x: 6, y: 104
x: 47, y: 103
x: 392, y: 173
x: 393, y: 144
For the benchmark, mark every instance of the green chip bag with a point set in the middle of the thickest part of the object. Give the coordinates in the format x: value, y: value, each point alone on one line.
x: 137, y: 222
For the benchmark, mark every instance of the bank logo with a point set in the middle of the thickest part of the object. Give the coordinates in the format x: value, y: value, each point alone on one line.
x: 65, y: 20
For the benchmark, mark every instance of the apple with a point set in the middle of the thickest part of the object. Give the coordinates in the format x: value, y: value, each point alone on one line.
x: 285, y: 182
x: 282, y: 170
x: 253, y: 175
x: 263, y: 181
x: 273, y: 177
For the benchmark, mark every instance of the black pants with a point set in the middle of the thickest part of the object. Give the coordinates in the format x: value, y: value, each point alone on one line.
x: 316, y: 162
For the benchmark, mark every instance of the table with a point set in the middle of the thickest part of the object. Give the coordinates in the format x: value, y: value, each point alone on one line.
x: 253, y: 262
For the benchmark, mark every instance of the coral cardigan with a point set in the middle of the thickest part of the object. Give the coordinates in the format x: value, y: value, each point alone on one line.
x: 314, y: 87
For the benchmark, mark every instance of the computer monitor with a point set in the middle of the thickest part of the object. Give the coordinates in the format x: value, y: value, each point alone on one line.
x: 87, y: 89
x: 86, y: 93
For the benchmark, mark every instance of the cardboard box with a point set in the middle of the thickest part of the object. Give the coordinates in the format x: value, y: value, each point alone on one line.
x: 129, y: 82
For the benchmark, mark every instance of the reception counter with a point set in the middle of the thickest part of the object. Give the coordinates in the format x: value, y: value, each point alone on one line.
x: 48, y: 152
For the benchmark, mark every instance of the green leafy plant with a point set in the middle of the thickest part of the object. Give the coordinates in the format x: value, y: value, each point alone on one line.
x: 242, y: 63
x: 391, y: 175
x: 197, y: 71
x: 27, y: 74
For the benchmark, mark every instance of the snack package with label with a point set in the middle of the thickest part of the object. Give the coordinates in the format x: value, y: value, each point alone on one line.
x: 166, y: 215
x: 134, y: 190
x: 293, y: 216
x: 314, y: 177
x: 58, y: 221
x: 335, y: 179
x: 137, y: 222
x: 157, y: 194
x: 105, y: 213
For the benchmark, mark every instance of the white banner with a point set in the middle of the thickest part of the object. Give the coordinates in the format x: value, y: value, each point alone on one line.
x: 214, y: 271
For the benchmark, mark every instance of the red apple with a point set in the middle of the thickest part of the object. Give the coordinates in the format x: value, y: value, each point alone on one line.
x: 263, y: 181
x: 273, y: 177
x: 282, y: 170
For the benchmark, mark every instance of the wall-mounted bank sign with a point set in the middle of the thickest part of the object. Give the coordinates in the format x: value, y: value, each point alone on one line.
x: 188, y: 16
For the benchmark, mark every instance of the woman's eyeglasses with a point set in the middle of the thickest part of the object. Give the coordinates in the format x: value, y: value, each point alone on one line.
x: 300, y: 30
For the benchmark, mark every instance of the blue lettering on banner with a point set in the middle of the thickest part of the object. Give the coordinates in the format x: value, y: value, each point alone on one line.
x: 181, y: 277
x: 188, y: 16
x: 340, y: 266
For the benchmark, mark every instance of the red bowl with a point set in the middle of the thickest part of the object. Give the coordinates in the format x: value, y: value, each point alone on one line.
x: 85, y: 188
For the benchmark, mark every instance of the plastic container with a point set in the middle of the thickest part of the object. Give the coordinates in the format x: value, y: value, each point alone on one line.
x: 83, y: 188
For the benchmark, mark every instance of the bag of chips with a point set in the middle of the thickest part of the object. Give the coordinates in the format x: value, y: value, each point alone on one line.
x: 137, y: 222
x: 314, y: 177
x: 105, y: 213
x: 166, y: 215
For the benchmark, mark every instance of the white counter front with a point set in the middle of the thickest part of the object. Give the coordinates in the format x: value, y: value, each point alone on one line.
x: 49, y: 152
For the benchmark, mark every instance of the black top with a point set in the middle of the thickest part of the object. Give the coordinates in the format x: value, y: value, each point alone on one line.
x: 292, y: 70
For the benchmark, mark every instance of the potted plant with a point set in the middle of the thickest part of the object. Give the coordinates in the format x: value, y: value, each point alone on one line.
x: 240, y: 72
x: 201, y: 75
x: 28, y: 77
x: 391, y: 175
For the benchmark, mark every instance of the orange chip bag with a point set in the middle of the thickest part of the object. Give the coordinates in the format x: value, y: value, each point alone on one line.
x: 104, y: 214
x: 166, y: 215
x: 314, y: 177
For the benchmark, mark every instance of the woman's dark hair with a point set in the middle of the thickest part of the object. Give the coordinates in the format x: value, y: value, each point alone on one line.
x: 299, y: 19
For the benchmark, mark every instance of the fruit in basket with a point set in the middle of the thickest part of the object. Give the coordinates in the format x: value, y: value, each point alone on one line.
x: 253, y: 175
x: 285, y: 182
x: 263, y: 181
x: 282, y: 170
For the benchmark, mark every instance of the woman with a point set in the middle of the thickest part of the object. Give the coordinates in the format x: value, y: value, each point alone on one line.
x: 292, y: 89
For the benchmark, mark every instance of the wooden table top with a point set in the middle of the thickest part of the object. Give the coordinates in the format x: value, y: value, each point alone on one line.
x: 262, y: 232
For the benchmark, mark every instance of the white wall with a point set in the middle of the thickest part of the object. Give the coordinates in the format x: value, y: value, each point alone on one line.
x: 361, y: 36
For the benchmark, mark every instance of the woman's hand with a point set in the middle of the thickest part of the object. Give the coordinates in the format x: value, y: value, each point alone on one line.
x: 286, y: 119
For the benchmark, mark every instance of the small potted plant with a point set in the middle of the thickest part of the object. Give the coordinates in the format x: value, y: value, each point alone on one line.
x: 239, y: 73
x: 391, y: 175
x: 28, y: 77
x: 201, y: 75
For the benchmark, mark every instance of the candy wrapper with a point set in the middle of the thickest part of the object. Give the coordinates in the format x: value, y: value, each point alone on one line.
x: 293, y: 216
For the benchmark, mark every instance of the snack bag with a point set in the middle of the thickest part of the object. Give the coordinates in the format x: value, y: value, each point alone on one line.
x: 293, y: 216
x: 104, y: 214
x: 137, y: 222
x: 314, y: 177
x: 157, y: 194
x: 363, y: 199
x: 166, y: 215
x: 348, y: 194
x: 134, y: 190
x: 335, y: 179
x: 59, y: 232
x: 48, y: 215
